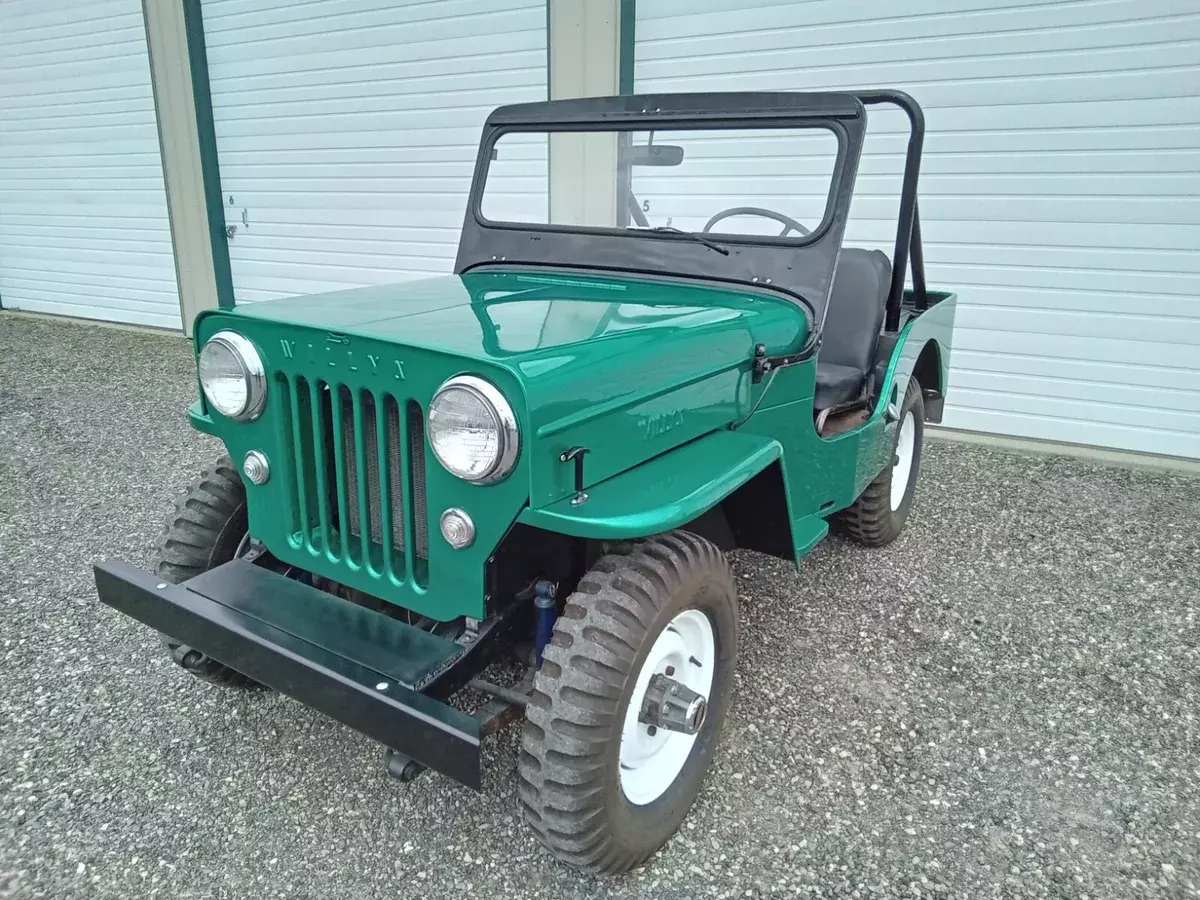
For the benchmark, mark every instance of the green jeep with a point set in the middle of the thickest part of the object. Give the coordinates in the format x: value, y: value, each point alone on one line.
x: 547, y: 454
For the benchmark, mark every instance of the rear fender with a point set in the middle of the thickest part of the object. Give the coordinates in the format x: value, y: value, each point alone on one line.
x: 922, y: 350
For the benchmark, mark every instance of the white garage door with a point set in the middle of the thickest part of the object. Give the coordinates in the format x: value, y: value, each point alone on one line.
x: 83, y: 210
x: 1059, y: 194
x: 347, y: 130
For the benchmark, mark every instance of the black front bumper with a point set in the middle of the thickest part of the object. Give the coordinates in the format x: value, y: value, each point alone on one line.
x: 357, y: 666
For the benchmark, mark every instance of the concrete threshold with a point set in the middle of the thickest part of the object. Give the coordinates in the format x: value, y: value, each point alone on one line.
x: 1127, y: 458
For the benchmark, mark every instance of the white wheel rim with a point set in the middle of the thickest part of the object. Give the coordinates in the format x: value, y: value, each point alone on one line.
x: 650, y: 763
x: 902, y: 470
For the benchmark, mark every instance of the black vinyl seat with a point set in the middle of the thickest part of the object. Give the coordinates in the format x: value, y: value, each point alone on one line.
x: 852, y: 325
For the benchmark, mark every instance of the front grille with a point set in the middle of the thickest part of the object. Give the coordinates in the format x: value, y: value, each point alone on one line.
x: 358, y: 491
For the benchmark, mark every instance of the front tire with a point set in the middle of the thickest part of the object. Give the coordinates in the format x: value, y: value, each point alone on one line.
x: 206, y: 529
x: 601, y: 790
x: 877, y: 517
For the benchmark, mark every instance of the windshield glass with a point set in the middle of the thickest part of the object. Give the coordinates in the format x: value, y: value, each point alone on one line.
x: 721, y: 183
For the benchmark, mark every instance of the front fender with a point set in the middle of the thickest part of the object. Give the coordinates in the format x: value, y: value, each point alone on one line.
x: 665, y: 492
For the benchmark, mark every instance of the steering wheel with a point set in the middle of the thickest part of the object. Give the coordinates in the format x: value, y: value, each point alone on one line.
x: 788, y: 223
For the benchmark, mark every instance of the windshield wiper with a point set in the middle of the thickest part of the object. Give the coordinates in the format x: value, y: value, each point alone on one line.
x: 711, y: 245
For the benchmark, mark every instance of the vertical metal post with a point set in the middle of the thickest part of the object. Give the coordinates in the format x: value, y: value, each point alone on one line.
x: 908, y: 199
x: 917, y: 261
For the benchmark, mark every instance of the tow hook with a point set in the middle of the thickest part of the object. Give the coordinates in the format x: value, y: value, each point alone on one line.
x: 402, y: 768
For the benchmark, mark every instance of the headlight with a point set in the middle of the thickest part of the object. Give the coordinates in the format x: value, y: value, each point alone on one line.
x: 231, y: 375
x: 472, y: 430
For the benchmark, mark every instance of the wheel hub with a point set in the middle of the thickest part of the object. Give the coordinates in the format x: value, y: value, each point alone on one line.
x: 672, y: 705
x: 668, y: 706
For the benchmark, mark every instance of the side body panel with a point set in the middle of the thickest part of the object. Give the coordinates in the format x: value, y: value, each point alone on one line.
x: 821, y: 475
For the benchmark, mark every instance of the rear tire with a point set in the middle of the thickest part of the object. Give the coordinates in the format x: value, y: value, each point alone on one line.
x: 877, y: 517
x: 601, y: 790
x: 206, y: 529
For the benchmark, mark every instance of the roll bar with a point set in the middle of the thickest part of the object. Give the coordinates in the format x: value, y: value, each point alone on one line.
x: 908, y: 228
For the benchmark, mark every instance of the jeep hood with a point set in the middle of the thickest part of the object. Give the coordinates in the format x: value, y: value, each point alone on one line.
x: 604, y: 331
x: 628, y: 367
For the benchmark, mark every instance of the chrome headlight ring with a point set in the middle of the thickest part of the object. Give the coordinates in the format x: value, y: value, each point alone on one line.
x: 503, y: 424
x: 251, y: 372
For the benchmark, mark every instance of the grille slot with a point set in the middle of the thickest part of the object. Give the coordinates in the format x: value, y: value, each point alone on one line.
x: 360, y: 437
x: 395, y: 469
x: 358, y: 464
x: 416, y: 452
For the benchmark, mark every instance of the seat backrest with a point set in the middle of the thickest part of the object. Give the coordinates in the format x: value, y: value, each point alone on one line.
x: 856, y: 308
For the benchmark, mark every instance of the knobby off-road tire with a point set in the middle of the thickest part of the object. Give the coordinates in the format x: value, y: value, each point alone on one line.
x: 204, y: 531
x: 878, y: 515
x: 571, y: 782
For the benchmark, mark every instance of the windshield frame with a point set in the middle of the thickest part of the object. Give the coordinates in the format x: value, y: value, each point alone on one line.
x: 625, y: 192
x: 800, y: 269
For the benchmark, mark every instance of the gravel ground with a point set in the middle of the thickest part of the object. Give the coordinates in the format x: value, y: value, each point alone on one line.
x: 1003, y: 703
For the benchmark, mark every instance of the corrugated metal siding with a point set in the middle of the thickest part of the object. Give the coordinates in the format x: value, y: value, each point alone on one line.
x: 347, y: 130
x: 83, y: 211
x: 1059, y: 190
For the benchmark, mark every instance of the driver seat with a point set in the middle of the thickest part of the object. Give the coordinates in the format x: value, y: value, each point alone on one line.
x: 852, y: 325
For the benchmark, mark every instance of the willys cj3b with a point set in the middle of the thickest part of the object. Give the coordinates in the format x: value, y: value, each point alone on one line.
x: 637, y: 366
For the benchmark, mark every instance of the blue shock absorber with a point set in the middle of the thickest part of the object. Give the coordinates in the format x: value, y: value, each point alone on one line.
x: 545, y: 612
